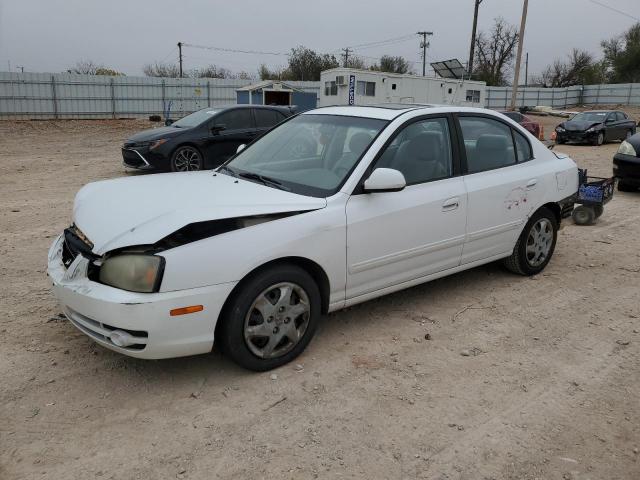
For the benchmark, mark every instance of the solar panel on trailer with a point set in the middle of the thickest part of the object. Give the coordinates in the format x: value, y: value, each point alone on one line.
x: 449, y: 68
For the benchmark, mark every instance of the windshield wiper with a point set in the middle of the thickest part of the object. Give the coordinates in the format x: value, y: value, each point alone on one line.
x: 224, y: 168
x: 269, y: 182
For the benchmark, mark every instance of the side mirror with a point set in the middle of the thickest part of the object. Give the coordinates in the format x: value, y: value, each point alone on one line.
x: 240, y: 148
x: 609, y: 120
x: 385, y: 180
x: 168, y: 122
x: 217, y: 128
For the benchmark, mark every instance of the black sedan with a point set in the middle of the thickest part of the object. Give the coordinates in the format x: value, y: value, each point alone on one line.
x: 626, y: 164
x: 204, y: 139
x: 596, y: 127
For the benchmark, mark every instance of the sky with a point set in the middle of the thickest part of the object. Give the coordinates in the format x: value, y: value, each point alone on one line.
x: 51, y: 35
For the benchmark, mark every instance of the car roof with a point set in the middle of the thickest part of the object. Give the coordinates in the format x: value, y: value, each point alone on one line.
x: 229, y: 107
x: 390, y: 111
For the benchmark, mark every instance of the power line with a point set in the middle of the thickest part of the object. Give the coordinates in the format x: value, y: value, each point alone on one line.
x: 232, y: 50
x: 604, y: 5
x: 383, y: 43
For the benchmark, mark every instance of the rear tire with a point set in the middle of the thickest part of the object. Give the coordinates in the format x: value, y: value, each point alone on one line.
x: 583, y: 215
x: 271, y: 319
x: 536, y: 244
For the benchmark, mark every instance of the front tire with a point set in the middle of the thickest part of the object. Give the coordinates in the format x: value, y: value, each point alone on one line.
x: 186, y: 159
x: 271, y: 319
x: 536, y: 244
x: 599, y: 139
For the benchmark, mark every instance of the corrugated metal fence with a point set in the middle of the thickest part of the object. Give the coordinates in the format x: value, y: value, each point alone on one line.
x: 62, y: 95
x: 40, y: 95
x: 606, y: 94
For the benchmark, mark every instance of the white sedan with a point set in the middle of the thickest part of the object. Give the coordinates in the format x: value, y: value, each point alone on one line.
x: 330, y: 208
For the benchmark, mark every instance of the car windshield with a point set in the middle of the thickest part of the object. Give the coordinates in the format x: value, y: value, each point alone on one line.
x: 196, y: 118
x: 310, y: 154
x: 590, y: 117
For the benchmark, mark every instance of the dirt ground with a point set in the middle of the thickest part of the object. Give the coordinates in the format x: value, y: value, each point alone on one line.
x: 520, y: 378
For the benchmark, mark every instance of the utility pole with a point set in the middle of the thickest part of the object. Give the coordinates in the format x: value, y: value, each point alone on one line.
x: 526, y: 70
x: 180, y: 57
x: 516, y: 79
x: 424, y: 44
x: 472, y: 48
x: 346, y: 51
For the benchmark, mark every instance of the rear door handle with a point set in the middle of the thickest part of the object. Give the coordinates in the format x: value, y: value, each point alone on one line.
x: 450, y: 204
x: 532, y: 183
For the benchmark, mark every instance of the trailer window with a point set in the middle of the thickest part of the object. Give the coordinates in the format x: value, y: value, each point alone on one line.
x: 330, y: 88
x: 473, y: 96
x: 366, y: 89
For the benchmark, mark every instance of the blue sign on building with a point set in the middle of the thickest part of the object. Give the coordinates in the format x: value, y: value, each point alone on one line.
x: 352, y: 89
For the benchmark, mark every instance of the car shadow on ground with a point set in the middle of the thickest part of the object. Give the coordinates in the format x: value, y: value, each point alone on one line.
x: 373, y: 315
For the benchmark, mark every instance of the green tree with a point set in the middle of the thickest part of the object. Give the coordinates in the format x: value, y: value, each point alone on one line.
x: 622, y: 56
x: 306, y: 64
x: 392, y: 64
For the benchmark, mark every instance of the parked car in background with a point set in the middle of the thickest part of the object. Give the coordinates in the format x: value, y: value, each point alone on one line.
x: 596, y: 127
x: 531, y: 125
x: 626, y: 164
x: 251, y: 255
x: 204, y: 139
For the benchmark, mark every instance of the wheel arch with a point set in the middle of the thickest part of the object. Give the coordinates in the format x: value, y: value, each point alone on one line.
x: 312, y: 268
x: 555, y: 208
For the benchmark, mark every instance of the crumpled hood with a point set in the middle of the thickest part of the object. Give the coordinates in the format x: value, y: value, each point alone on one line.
x: 579, y: 126
x: 142, y: 210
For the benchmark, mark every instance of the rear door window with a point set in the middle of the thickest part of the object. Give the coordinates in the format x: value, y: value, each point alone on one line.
x: 488, y: 144
x: 238, y: 119
x: 266, y: 118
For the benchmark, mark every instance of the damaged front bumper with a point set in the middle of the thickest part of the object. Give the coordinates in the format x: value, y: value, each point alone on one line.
x: 141, y: 322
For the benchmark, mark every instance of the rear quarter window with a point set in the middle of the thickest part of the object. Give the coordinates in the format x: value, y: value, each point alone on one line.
x: 523, y: 147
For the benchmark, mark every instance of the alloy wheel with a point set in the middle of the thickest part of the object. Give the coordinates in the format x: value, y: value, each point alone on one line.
x: 539, y: 242
x: 277, y: 319
x: 187, y: 159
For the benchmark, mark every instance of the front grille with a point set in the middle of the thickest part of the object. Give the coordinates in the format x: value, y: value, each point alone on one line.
x: 100, y: 331
x: 132, y: 159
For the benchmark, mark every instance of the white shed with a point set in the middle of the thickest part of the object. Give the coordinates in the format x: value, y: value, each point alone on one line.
x: 366, y: 87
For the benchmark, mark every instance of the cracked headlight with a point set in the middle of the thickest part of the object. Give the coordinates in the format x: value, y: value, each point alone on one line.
x: 133, y: 272
x: 627, y: 149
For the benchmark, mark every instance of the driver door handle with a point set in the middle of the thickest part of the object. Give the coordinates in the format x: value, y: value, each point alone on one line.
x: 532, y: 183
x: 450, y: 204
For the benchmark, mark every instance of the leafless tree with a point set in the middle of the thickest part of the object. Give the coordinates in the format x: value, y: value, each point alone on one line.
x: 160, y: 69
x: 495, y: 52
x: 581, y: 68
x: 89, y: 67
x: 356, y: 62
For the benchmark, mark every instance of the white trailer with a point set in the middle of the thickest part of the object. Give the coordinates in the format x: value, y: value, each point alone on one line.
x: 366, y: 87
